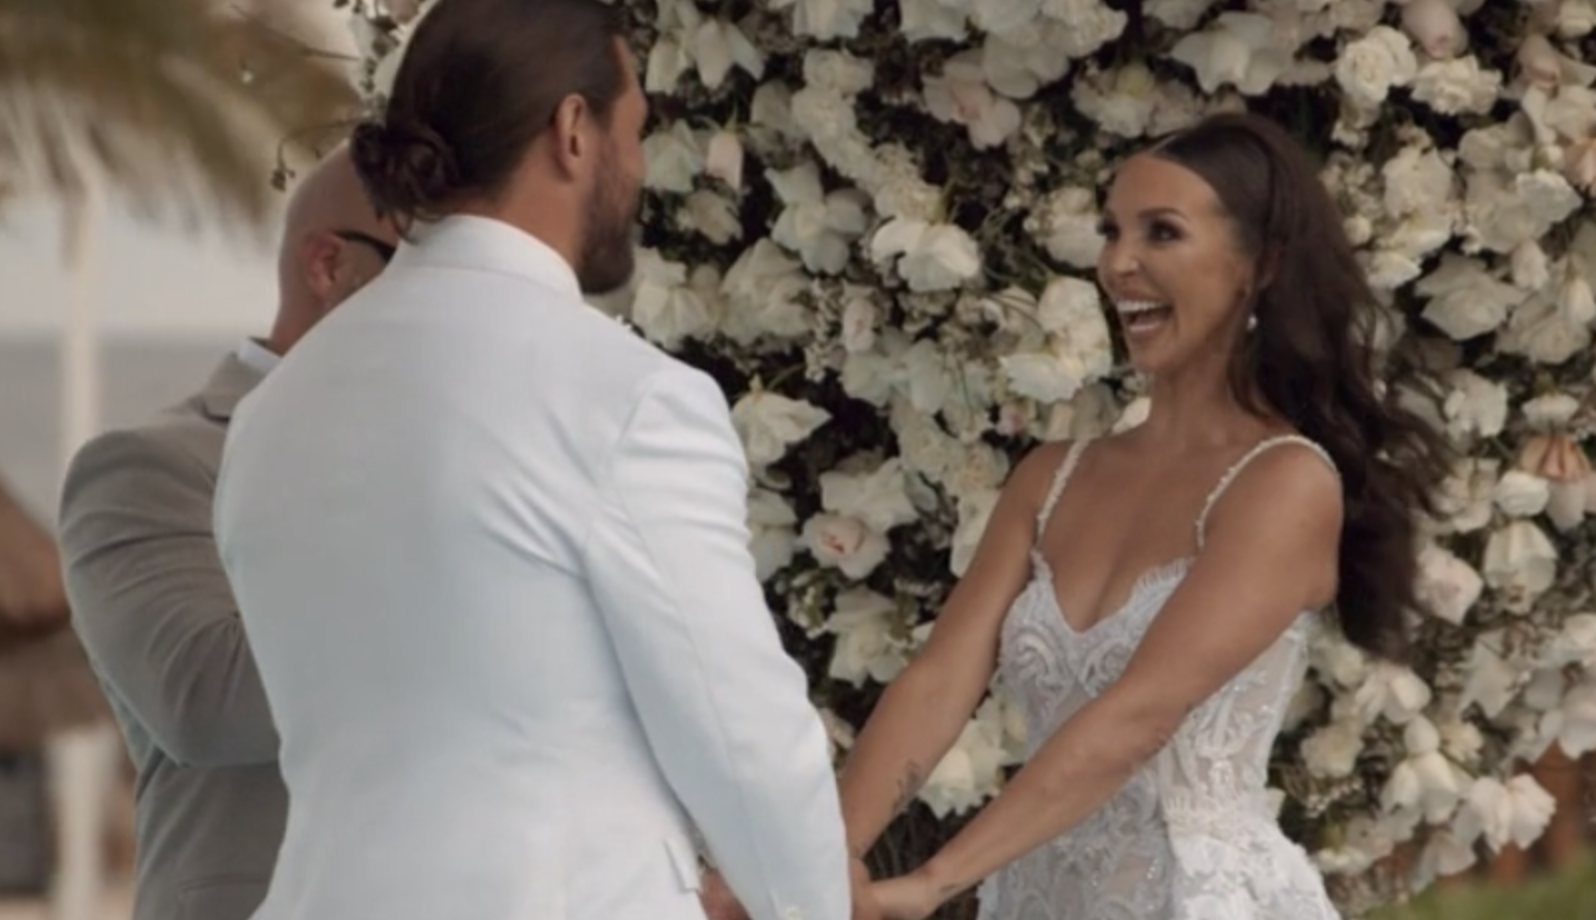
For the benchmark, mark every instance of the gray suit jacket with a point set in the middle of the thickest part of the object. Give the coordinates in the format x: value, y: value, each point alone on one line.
x: 153, y: 608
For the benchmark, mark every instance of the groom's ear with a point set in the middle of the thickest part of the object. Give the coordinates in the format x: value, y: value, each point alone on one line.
x: 574, y: 135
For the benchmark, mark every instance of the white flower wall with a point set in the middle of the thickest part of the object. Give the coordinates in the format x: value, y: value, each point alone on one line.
x: 874, y: 223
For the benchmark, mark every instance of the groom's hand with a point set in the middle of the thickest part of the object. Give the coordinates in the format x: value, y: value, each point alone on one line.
x: 717, y: 899
x: 864, y: 900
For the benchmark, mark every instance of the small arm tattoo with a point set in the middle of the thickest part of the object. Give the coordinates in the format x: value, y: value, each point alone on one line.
x: 908, y: 787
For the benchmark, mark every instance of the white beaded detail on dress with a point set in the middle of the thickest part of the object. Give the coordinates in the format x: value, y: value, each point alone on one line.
x: 1191, y: 836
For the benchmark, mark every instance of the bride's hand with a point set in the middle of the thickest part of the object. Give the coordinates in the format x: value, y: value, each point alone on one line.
x: 907, y: 897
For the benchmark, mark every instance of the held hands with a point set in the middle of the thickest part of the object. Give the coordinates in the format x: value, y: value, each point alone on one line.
x: 907, y: 897
x: 864, y: 902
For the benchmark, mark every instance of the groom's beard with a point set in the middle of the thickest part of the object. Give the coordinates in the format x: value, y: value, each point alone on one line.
x: 607, y: 258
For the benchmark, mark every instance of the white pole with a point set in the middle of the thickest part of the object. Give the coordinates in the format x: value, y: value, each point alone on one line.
x: 80, y: 346
x: 83, y: 761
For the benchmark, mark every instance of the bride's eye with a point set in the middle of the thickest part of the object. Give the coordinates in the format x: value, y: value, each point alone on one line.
x: 1163, y: 231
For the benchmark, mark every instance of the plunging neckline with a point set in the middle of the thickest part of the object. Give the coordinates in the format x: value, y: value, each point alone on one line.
x: 1042, y: 574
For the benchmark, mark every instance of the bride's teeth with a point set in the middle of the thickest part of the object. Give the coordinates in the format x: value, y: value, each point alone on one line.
x: 1137, y: 306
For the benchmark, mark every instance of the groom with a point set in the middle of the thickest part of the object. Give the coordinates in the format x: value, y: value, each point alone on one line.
x: 489, y: 546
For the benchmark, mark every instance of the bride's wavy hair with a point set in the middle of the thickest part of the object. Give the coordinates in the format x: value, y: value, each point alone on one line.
x: 1311, y: 358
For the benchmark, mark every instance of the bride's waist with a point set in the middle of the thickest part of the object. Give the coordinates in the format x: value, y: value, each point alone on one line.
x: 1219, y: 813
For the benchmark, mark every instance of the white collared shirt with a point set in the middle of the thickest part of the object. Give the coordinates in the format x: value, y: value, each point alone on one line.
x: 256, y: 356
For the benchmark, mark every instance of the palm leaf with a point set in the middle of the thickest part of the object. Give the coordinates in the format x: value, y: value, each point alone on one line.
x: 176, y: 104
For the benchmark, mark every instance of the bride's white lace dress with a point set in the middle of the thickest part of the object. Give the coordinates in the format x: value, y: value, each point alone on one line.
x: 1192, y: 836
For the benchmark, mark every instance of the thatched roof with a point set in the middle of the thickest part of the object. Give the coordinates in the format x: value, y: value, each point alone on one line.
x: 32, y: 598
x: 46, y: 684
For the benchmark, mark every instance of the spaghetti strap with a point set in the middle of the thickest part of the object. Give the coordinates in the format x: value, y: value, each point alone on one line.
x: 1261, y: 447
x: 1061, y: 477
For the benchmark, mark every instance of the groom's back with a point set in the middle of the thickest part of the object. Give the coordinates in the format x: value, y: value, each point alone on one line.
x: 402, y: 509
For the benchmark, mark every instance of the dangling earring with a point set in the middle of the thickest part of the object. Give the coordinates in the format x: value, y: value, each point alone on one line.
x: 1252, y: 321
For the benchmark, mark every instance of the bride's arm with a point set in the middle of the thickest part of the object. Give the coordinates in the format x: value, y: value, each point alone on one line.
x: 922, y: 711
x: 1270, y: 554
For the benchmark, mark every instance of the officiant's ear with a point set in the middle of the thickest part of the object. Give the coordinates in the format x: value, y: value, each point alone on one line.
x: 335, y: 264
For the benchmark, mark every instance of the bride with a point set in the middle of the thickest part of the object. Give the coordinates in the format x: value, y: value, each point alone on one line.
x: 1146, y: 598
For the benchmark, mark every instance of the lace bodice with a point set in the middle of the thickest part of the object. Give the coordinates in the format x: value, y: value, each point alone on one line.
x: 1192, y: 835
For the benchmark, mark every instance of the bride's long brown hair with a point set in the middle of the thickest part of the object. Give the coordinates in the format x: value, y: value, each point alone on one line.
x: 1311, y: 360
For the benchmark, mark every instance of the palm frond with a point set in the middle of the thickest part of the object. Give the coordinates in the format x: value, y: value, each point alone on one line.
x: 175, y: 103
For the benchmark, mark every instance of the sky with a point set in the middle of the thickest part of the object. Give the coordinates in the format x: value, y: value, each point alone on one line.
x: 150, y: 281
x: 147, y: 281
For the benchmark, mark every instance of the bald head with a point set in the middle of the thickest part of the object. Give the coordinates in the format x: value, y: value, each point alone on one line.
x: 332, y: 244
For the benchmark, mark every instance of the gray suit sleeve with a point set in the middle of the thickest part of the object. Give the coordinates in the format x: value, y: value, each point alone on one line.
x: 151, y: 602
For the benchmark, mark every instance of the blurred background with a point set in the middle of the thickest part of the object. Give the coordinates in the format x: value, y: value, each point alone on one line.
x: 142, y: 144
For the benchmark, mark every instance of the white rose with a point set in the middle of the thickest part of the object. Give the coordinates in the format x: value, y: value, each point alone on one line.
x: 1370, y: 66
x: 845, y: 543
x: 1457, y: 86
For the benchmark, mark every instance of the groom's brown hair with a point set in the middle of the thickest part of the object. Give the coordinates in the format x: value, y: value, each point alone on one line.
x: 479, y: 82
